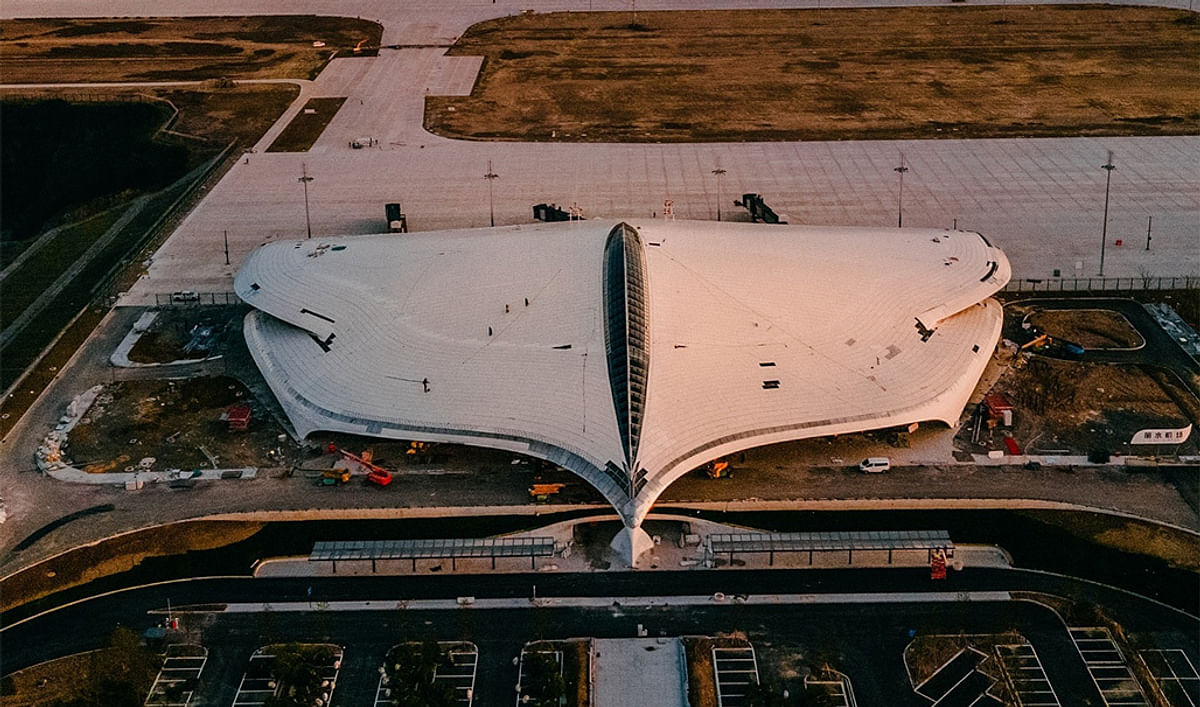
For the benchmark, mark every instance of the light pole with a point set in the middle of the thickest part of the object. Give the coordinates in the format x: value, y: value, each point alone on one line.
x: 305, y: 179
x: 227, y: 247
x: 1108, y: 168
x: 491, y: 177
x: 900, y: 199
x: 718, y: 171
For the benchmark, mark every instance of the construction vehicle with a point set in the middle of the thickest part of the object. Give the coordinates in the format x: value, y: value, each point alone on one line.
x: 543, y: 492
x: 334, y: 477
x: 420, y: 452
x: 375, y: 474
x: 718, y: 469
x: 397, y: 222
x: 1036, y: 342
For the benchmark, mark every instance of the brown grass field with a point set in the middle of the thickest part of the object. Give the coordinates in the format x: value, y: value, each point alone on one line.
x: 927, y: 72
x: 305, y: 128
x: 177, y: 49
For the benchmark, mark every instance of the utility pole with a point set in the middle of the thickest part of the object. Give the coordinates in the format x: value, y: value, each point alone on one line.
x: 900, y: 199
x: 490, y: 177
x: 1108, y: 168
x: 718, y: 171
x: 305, y: 179
x: 227, y: 247
x: 1149, y: 220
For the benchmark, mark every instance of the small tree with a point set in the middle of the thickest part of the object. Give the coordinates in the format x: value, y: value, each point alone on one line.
x: 410, y: 671
x: 543, y: 681
x: 295, y: 670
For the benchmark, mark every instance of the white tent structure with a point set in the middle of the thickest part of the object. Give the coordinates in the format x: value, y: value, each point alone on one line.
x: 627, y: 352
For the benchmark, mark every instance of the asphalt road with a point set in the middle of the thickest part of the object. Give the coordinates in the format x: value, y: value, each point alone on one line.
x: 867, y: 636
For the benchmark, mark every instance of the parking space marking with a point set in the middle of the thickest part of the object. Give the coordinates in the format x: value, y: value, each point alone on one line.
x: 257, y: 684
x: 840, y: 691
x: 1175, y: 675
x: 176, y: 681
x: 958, y: 668
x: 735, y: 669
x: 558, y: 659
x: 1031, y: 686
x: 1107, y: 666
x: 457, y: 666
x: 459, y: 671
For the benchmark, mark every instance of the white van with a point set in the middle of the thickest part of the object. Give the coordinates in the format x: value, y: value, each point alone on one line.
x: 874, y: 465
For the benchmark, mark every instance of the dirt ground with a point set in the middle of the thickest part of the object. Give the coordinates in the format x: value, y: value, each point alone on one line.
x: 1072, y: 407
x: 171, y: 421
x: 894, y: 73
x: 177, y: 49
x: 180, y: 333
x: 1090, y: 328
x: 928, y: 653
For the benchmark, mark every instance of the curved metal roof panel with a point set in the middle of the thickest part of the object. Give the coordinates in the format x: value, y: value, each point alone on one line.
x: 534, y: 338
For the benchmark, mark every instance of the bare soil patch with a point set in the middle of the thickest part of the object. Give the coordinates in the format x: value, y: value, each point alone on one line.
x: 1090, y: 328
x: 307, y: 126
x: 829, y: 74
x: 1071, y: 407
x: 928, y: 653
x: 178, y: 49
x: 185, y: 334
x: 175, y: 422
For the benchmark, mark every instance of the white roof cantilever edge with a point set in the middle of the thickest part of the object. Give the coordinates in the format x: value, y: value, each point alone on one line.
x: 628, y: 352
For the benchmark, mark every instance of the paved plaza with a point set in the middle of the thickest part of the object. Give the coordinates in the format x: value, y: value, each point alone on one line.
x: 1041, y: 200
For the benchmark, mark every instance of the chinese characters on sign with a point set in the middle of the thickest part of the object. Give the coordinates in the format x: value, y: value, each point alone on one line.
x: 1177, y: 436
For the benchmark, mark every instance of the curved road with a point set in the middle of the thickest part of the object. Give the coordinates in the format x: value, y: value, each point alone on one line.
x: 1160, y: 349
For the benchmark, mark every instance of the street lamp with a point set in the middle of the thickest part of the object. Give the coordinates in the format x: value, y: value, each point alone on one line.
x: 491, y: 177
x: 718, y: 171
x: 1108, y: 168
x: 305, y: 179
x: 900, y: 199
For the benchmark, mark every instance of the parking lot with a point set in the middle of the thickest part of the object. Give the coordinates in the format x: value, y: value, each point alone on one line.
x: 1027, y: 676
x: 1108, y: 668
x: 459, y: 660
x: 261, y: 680
x: 736, y: 669
x: 176, y: 682
x: 1175, y: 674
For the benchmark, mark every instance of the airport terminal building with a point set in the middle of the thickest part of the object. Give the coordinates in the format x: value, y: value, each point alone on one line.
x: 627, y: 352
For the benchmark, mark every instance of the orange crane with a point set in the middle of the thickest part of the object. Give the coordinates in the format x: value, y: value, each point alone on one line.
x: 376, y: 474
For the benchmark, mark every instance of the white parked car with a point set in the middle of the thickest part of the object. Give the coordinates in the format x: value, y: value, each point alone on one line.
x: 875, y: 465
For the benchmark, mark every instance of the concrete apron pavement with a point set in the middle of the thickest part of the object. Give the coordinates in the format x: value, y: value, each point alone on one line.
x: 1039, y: 199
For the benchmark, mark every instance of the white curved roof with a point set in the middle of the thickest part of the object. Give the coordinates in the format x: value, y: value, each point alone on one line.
x: 862, y: 329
